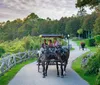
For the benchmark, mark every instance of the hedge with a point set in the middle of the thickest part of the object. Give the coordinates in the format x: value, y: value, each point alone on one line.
x: 90, y: 42
x: 97, y: 39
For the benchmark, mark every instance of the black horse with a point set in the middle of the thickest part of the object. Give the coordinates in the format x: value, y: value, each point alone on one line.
x: 63, y: 53
x: 59, y: 54
x: 48, y: 54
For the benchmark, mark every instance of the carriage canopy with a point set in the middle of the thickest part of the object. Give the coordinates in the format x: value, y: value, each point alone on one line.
x: 51, y: 36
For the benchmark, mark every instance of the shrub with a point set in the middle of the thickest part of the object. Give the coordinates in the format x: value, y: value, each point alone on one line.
x: 90, y: 42
x: 16, y: 48
x: 93, y: 64
x: 63, y: 42
x: 98, y: 79
x: 2, y: 51
x: 26, y: 43
x: 97, y: 39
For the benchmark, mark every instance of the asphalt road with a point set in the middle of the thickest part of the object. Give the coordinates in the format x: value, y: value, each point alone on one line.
x: 29, y: 75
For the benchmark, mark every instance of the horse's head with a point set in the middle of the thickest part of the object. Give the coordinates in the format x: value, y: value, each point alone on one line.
x: 58, y: 52
x: 63, y: 52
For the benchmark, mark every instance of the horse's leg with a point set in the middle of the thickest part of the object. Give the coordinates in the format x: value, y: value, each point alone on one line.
x: 82, y: 48
x: 62, y: 70
x: 57, y: 68
x: 38, y: 66
x: 47, y: 63
x: 65, y: 64
x: 43, y: 65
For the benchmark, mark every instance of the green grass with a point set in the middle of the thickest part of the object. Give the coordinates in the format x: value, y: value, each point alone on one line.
x: 92, y: 49
x: 4, y: 80
x: 91, y: 79
x: 72, y: 49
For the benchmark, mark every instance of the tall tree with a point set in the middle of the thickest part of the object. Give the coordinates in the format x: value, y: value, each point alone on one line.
x: 72, y: 26
x: 96, y: 29
x: 88, y: 24
x: 81, y: 12
x: 91, y: 3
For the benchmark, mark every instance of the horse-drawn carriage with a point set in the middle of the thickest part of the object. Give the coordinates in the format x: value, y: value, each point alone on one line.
x: 55, y: 55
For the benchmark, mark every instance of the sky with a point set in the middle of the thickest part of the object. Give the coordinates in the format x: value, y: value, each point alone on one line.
x: 54, y: 9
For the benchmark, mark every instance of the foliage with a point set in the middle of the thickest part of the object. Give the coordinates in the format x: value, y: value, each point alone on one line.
x: 2, y: 51
x: 33, y: 25
x: 24, y: 44
x: 90, y: 42
x: 88, y: 24
x: 96, y: 29
x: 20, y: 45
x: 72, y: 26
x: 80, y: 31
x: 97, y: 39
x: 91, y: 3
x: 98, y: 79
x: 82, y: 12
x: 93, y: 64
x: 63, y: 43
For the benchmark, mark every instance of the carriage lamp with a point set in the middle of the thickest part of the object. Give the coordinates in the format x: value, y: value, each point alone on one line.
x: 68, y: 35
x: 68, y: 40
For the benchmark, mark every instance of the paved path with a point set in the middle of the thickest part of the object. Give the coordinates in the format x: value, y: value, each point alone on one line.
x: 28, y: 75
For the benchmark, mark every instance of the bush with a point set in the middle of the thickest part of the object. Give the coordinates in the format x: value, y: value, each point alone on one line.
x: 24, y: 44
x: 2, y: 51
x: 93, y: 64
x: 91, y: 42
x: 31, y: 42
x: 97, y: 39
x: 27, y: 41
x: 98, y: 79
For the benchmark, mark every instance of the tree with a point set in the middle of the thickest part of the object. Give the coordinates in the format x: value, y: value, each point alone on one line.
x: 33, y: 25
x: 72, y: 25
x: 81, y: 12
x: 80, y: 31
x: 88, y: 24
x: 96, y: 29
x: 97, y: 10
x: 91, y: 3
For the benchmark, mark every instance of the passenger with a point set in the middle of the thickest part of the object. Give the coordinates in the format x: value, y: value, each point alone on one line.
x: 82, y: 45
x: 56, y: 43
x: 44, y: 44
x: 50, y: 44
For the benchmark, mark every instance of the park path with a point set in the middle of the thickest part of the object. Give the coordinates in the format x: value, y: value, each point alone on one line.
x: 29, y: 75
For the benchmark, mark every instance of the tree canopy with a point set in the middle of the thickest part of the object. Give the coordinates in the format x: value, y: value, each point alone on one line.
x: 91, y: 3
x: 33, y: 25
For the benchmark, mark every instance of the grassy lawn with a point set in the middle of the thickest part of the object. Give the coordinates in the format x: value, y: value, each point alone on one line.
x: 91, y: 79
x: 4, y: 80
x: 72, y: 49
x: 92, y: 49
